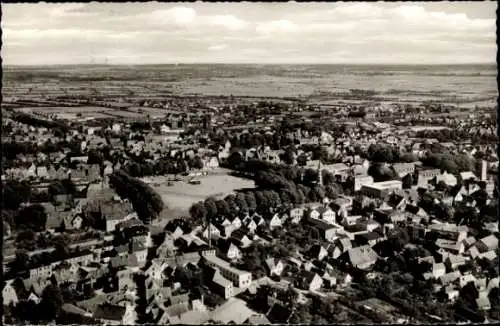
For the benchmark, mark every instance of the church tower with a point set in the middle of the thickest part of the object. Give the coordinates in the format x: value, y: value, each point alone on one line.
x: 320, y: 175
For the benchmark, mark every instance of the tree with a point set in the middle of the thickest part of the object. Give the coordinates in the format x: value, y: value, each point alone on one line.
x: 56, y: 188
x: 234, y: 160
x: 333, y: 190
x: 51, y: 302
x: 320, y: 191
x: 222, y: 207
x: 94, y: 157
x: 198, y: 212
x: 251, y: 201
x: 197, y: 162
x: 26, y: 239
x: 288, y: 156
x: 211, y: 207
x: 231, y: 202
x: 240, y: 201
x: 494, y: 297
x: 328, y: 177
x: 21, y: 262
x: 262, y: 200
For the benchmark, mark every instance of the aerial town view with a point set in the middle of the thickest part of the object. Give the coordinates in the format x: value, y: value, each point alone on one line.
x: 249, y: 163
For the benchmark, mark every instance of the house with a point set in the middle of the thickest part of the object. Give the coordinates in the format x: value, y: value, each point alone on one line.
x: 317, y: 251
x: 218, y: 282
x: 114, y: 314
x: 139, y: 250
x: 397, y: 202
x: 274, y: 266
x: 453, y: 247
x: 275, y: 222
x: 363, y: 257
x: 466, y: 279
x: 327, y: 214
x: 42, y: 173
x: 361, y: 180
x: 327, y: 232
x: 9, y: 294
x: 483, y: 303
x: 236, y: 222
x: 240, y: 238
x: 211, y: 231
x: 402, y: 169
x: 114, y: 213
x: 239, y: 278
x: 167, y: 248
x: 449, y: 277
x: 72, y: 222
x: 438, y: 270
x: 448, y: 179
x: 339, y: 246
x: 229, y: 250
x: 310, y: 281
x: 329, y: 280
x: 258, y: 319
x: 296, y: 214
x: 487, y: 243
x: 368, y: 238
x: 350, y: 219
x: 467, y: 176
x: 233, y: 311
x: 212, y: 163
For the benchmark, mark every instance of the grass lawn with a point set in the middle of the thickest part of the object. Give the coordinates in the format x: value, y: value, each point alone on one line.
x: 179, y: 197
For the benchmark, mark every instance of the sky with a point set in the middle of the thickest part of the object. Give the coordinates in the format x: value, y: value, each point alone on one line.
x: 197, y: 32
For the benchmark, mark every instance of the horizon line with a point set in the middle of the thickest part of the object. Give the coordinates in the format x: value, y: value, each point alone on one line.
x: 248, y: 63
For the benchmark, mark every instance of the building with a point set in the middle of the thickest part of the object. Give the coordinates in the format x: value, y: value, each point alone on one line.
x: 239, y: 278
x: 381, y: 189
x: 360, y: 181
x: 362, y: 257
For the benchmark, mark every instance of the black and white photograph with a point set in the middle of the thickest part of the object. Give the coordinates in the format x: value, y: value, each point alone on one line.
x: 249, y: 163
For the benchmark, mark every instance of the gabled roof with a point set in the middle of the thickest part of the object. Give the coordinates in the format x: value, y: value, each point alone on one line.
x: 361, y: 255
x: 491, y: 242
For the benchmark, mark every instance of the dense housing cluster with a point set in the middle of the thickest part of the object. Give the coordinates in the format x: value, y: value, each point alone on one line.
x: 196, y: 209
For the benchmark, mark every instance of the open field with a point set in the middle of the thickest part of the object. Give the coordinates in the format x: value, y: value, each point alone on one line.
x: 458, y: 84
x: 181, y: 195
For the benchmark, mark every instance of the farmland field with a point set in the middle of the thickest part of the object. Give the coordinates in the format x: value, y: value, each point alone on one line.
x: 181, y: 195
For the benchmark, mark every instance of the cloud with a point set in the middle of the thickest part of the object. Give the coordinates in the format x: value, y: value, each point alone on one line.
x: 276, y: 26
x: 228, y: 21
x: 218, y: 47
x: 260, y: 32
x: 178, y: 15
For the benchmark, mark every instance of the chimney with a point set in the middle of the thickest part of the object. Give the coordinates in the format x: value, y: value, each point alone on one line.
x: 483, y: 170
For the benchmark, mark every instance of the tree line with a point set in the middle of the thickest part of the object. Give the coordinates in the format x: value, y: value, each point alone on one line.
x: 145, y: 200
x: 277, y: 186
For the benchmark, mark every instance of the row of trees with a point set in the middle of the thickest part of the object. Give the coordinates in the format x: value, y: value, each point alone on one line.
x: 146, y: 202
x: 261, y: 201
x: 447, y: 135
x: 37, y: 122
x: 383, y: 153
x: 452, y: 163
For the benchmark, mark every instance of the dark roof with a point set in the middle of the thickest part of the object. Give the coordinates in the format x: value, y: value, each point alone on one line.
x: 321, y: 225
x: 369, y: 235
x: 109, y: 312
x: 394, y: 200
